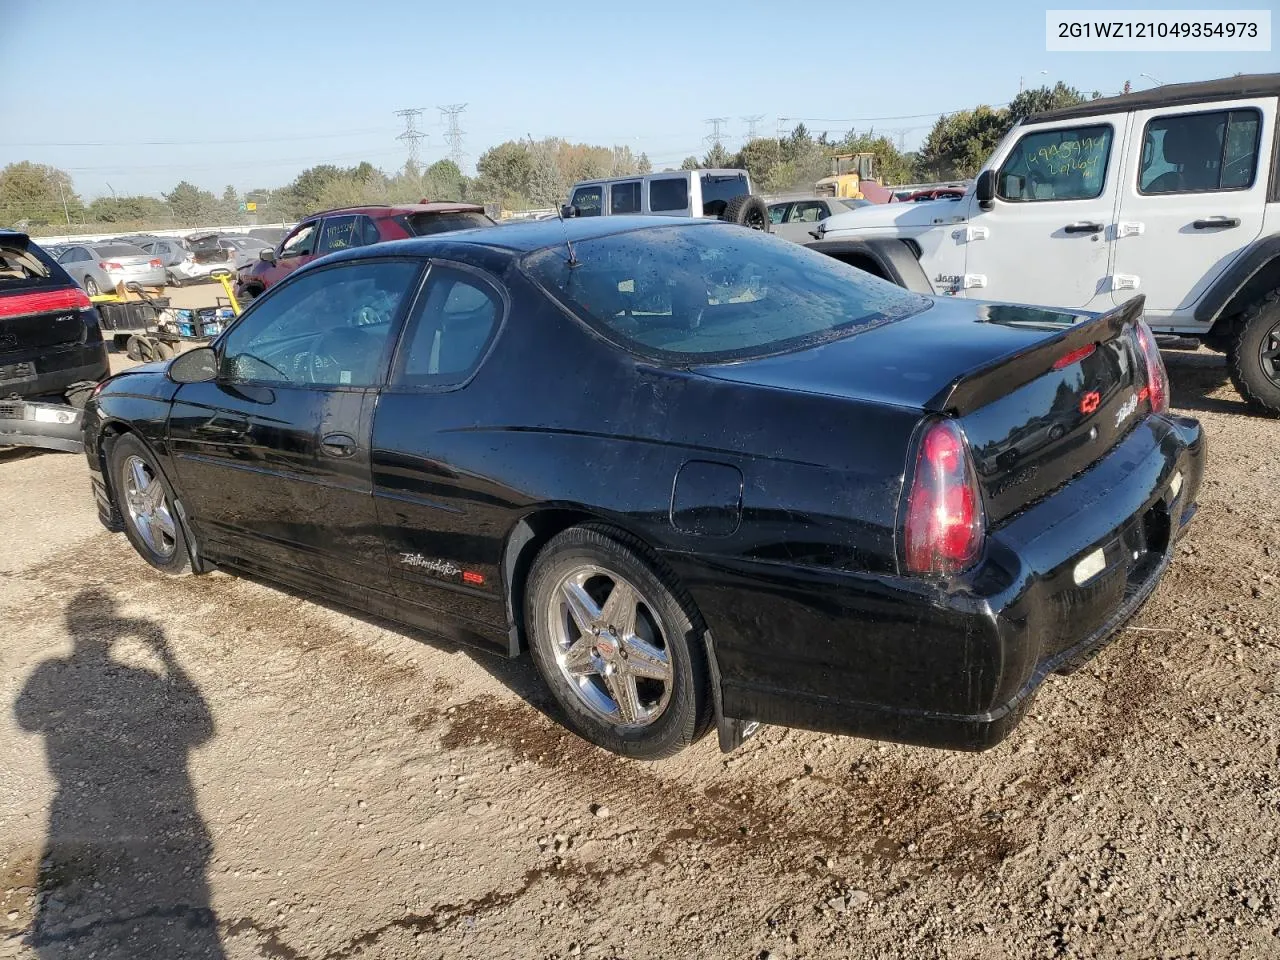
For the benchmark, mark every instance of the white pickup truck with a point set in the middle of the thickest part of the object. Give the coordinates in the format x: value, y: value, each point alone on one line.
x: 1171, y: 193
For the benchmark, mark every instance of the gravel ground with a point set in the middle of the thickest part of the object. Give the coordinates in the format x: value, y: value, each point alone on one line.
x: 213, y: 768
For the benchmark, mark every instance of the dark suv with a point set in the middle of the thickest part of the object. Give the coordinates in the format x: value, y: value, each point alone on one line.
x: 332, y: 230
x: 51, y: 347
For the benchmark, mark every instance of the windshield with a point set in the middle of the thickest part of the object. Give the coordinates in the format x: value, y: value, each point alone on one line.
x: 694, y: 293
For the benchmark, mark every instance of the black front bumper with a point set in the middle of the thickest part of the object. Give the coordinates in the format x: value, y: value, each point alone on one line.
x: 954, y: 665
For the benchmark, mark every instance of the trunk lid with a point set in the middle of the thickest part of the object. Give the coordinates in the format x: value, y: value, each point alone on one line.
x: 1040, y: 394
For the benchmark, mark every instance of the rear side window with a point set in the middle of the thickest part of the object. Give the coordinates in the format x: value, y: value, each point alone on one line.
x: 1199, y: 152
x: 449, y: 332
x: 625, y: 197
x: 708, y: 293
x: 719, y: 189
x: 669, y: 194
x: 27, y: 267
x: 1067, y: 163
x: 339, y: 233
x: 368, y: 231
x: 424, y: 224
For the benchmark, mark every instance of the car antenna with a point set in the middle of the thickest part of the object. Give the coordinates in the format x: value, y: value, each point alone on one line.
x: 573, y: 257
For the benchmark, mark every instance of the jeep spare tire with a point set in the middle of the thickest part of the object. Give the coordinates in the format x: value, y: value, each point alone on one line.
x: 748, y: 211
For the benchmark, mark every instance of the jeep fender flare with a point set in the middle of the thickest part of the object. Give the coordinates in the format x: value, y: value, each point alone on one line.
x: 889, y: 259
x: 1252, y: 276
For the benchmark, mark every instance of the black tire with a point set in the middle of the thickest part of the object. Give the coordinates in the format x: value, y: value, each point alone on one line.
x: 173, y: 280
x: 147, y: 347
x: 748, y: 211
x: 90, y: 286
x: 133, y: 347
x: 174, y: 561
x: 1254, y: 357
x: 121, y: 341
x: 164, y: 351
x: 688, y: 711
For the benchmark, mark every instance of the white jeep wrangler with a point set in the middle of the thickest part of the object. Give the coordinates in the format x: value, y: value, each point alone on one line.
x: 1173, y: 193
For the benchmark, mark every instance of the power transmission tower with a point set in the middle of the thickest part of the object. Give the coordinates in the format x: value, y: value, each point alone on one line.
x: 716, y: 135
x: 751, y: 124
x: 453, y: 132
x: 411, y: 133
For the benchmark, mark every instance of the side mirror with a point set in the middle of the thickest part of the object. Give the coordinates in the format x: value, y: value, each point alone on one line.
x: 195, y: 366
x: 568, y: 211
x: 269, y: 255
x: 985, y: 189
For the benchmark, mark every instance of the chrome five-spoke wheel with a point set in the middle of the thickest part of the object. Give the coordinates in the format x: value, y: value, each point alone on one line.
x: 610, y: 647
x: 148, y: 507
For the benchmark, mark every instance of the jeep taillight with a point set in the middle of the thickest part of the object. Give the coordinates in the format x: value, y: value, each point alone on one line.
x: 944, y: 526
x: 1157, y: 388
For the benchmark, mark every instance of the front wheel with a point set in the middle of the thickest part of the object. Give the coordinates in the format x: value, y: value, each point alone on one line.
x: 1254, y: 357
x: 146, y: 502
x: 618, y: 644
x: 90, y: 286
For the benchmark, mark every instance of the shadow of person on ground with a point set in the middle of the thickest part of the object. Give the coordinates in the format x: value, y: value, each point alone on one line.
x: 123, y: 873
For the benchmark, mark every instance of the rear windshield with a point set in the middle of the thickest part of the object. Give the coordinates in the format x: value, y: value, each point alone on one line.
x: 718, y: 190
x: 24, y: 267
x: 202, y: 243
x: 118, y: 250
x: 422, y: 224
x: 700, y: 294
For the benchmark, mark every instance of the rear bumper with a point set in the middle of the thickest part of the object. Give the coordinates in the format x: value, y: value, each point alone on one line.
x: 954, y: 666
x: 56, y: 369
x: 52, y: 426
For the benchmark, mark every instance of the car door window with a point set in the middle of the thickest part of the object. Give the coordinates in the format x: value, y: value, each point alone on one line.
x: 339, y: 233
x: 1066, y: 163
x: 589, y: 201
x: 806, y: 211
x: 450, y: 331
x: 625, y: 197
x: 778, y: 212
x: 302, y: 242
x: 1200, y: 152
x: 330, y: 327
x: 667, y: 194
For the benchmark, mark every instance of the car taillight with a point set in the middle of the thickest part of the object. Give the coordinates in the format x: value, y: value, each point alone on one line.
x: 110, y: 265
x: 945, y: 523
x: 72, y: 298
x: 1157, y: 388
x: 155, y: 262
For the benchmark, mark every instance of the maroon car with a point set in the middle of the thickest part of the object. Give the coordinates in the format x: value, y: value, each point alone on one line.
x: 340, y: 229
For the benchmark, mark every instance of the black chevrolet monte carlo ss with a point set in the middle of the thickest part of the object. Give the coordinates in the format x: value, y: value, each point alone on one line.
x: 703, y: 475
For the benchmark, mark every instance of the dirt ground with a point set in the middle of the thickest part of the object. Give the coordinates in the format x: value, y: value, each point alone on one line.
x: 213, y: 768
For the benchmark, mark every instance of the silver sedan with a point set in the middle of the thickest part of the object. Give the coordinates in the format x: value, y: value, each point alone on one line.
x: 101, y: 267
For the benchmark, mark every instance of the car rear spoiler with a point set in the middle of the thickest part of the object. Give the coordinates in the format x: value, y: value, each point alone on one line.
x: 980, y: 386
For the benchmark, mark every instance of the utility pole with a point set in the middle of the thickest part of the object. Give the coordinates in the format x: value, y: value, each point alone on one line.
x: 453, y: 132
x: 411, y: 133
x: 751, y: 124
x: 65, y: 212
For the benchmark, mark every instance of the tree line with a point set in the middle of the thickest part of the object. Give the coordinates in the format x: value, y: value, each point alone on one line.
x: 520, y: 174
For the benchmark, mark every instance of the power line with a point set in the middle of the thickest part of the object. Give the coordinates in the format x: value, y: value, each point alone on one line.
x: 453, y: 132
x: 411, y: 133
x: 751, y: 124
x: 903, y: 116
x: 196, y: 143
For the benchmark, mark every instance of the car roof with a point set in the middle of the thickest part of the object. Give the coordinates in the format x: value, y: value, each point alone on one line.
x: 712, y: 171
x: 397, y: 209
x: 525, y: 237
x: 1170, y: 95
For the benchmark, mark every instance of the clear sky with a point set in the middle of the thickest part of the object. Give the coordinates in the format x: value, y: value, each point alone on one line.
x: 136, y: 95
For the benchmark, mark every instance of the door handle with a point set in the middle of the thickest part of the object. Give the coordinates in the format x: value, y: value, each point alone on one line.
x: 1217, y: 223
x: 1083, y: 228
x: 338, y: 445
